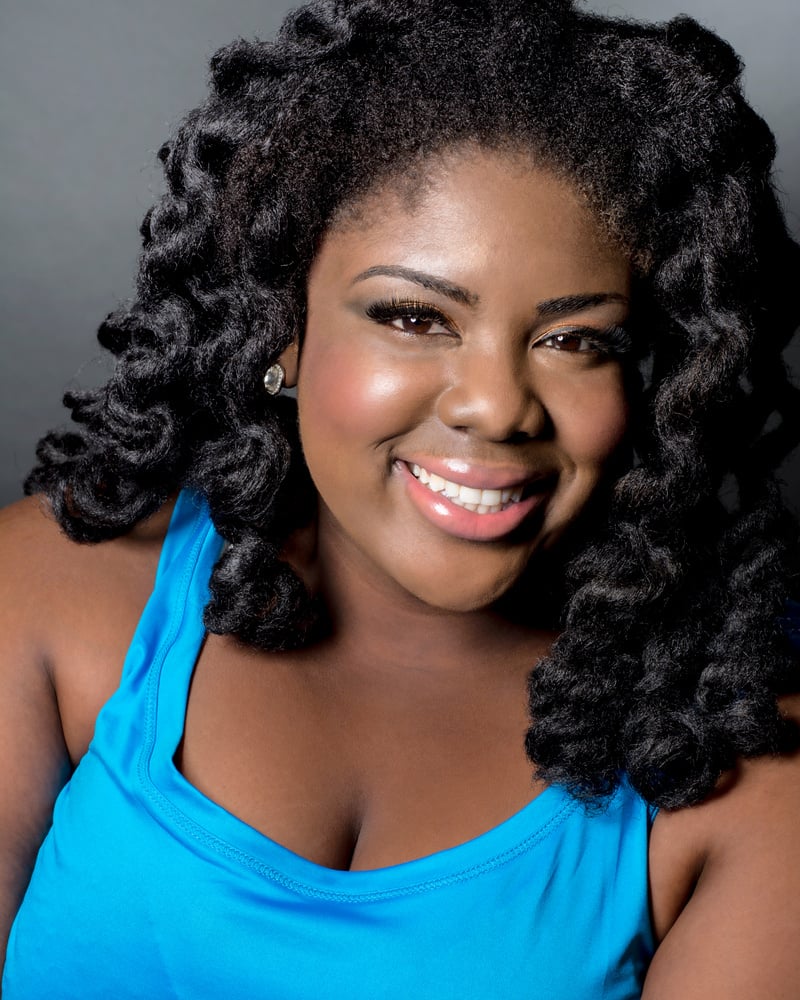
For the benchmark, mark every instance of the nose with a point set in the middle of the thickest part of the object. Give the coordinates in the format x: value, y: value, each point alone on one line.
x: 491, y: 394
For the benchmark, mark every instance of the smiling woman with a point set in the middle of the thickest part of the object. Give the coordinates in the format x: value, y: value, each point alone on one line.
x: 404, y: 687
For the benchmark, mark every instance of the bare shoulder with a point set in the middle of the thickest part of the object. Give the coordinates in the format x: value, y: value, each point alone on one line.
x: 27, y: 531
x: 35, y: 557
x: 736, y: 859
x: 29, y: 525
x: 42, y: 570
x: 73, y: 607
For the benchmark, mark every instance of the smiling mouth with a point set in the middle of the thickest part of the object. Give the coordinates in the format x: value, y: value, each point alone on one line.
x: 475, y: 500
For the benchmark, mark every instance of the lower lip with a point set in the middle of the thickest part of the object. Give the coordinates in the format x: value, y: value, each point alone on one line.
x: 463, y: 523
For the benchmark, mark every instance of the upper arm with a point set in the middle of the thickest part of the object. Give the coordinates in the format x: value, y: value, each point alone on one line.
x: 67, y: 614
x: 34, y: 762
x: 737, y: 937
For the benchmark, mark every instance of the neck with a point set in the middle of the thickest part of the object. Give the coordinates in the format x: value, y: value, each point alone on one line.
x: 376, y: 624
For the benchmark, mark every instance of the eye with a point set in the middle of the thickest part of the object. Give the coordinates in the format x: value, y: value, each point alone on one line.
x: 573, y: 341
x: 613, y: 342
x: 410, y: 317
x: 417, y: 324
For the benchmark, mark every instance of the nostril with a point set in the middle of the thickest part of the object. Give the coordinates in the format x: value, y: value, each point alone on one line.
x: 518, y: 437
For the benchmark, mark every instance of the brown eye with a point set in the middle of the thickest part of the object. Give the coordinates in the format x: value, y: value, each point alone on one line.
x: 410, y: 317
x: 613, y: 342
x: 417, y: 324
x: 571, y: 341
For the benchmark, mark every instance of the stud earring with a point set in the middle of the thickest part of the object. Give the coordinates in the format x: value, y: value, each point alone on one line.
x: 273, y: 379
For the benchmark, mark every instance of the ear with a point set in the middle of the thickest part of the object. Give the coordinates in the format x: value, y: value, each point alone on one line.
x: 288, y: 360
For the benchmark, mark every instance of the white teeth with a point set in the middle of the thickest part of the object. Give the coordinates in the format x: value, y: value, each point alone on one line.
x: 478, y: 501
x: 469, y: 495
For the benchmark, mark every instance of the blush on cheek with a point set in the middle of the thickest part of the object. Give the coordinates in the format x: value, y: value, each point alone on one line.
x: 355, y: 397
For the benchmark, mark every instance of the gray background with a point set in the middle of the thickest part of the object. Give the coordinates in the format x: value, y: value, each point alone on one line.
x: 88, y: 91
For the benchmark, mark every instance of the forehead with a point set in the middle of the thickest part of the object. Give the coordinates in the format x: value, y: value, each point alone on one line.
x: 475, y: 212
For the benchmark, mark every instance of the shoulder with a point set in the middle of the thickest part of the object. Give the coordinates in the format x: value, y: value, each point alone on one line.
x: 35, y: 565
x: 38, y: 562
x: 737, y: 861
x: 26, y: 527
x: 71, y: 608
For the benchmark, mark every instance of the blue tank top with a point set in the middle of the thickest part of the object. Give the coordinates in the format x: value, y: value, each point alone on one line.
x: 146, y: 888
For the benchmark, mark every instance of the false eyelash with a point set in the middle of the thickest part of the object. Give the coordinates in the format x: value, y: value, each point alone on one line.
x: 616, y: 340
x: 612, y: 341
x: 394, y: 308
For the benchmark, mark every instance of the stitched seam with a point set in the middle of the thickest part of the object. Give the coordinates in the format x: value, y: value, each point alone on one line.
x: 172, y: 632
x: 196, y: 832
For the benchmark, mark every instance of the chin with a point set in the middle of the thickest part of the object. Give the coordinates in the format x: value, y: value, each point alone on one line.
x: 470, y: 596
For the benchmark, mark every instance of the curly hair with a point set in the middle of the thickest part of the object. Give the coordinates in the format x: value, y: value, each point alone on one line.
x: 671, y: 657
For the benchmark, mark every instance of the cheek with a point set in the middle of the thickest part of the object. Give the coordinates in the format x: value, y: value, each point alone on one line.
x: 351, y: 396
x: 592, y: 423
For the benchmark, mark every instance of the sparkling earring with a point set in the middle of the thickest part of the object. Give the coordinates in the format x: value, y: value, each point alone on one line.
x: 273, y: 380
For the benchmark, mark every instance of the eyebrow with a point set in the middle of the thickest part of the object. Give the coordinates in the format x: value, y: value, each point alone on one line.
x: 574, y: 303
x: 550, y: 307
x: 429, y: 281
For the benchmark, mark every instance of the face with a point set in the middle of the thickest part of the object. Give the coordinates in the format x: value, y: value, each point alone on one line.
x: 460, y: 385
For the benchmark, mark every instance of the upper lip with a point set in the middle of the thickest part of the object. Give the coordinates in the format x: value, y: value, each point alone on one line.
x: 477, y: 475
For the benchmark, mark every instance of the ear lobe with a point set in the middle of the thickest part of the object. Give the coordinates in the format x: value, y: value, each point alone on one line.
x: 289, y: 360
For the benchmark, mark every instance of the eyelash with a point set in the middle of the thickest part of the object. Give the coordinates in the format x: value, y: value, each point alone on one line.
x: 388, y: 310
x: 613, y: 341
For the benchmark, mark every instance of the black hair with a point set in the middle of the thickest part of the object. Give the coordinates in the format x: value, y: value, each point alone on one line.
x: 671, y: 654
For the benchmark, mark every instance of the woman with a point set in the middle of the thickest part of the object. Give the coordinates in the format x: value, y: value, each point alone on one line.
x: 471, y: 690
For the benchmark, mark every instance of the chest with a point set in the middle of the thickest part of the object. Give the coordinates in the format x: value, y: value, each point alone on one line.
x: 352, y: 774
